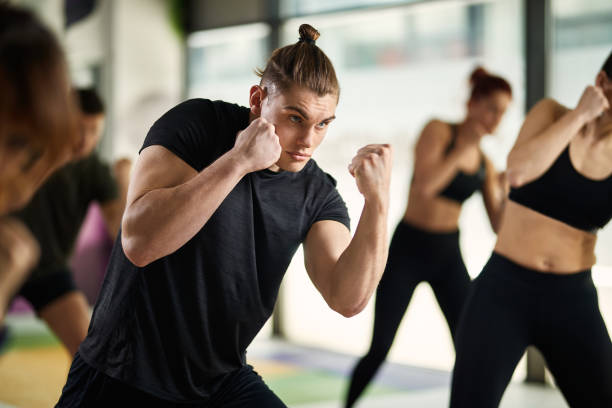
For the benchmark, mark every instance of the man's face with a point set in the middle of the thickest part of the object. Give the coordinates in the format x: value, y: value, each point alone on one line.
x: 301, y: 118
x: 91, y: 131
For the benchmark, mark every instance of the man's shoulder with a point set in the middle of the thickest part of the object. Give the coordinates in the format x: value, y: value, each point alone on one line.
x: 198, y: 130
x: 202, y: 116
x: 206, y: 108
x: 313, y: 171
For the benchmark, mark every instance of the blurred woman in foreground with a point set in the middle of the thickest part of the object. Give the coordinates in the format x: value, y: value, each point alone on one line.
x: 37, y: 133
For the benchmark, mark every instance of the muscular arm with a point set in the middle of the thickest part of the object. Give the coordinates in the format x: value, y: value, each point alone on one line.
x: 346, y: 271
x: 168, y: 202
x: 112, y: 211
x: 433, y: 168
x: 494, y: 192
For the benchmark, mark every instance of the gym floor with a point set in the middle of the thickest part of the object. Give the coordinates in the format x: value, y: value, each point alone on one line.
x: 33, y: 369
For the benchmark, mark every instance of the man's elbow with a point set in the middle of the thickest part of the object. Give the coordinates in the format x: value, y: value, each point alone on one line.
x: 350, y: 312
x: 134, y: 252
x: 349, y: 309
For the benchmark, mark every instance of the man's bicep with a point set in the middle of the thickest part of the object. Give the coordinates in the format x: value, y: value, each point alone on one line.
x: 155, y: 168
x: 324, y: 243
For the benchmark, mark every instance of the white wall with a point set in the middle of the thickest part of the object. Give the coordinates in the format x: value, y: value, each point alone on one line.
x: 147, y: 70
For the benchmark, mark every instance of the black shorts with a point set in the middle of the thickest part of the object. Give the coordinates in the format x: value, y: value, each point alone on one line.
x: 42, y: 290
x: 88, y: 387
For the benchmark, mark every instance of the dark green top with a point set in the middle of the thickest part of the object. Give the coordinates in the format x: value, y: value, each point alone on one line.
x: 57, y: 210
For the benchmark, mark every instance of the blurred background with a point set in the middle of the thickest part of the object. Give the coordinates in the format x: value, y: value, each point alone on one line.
x: 399, y: 62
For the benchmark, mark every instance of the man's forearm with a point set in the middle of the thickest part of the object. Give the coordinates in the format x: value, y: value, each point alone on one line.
x: 163, y: 220
x: 362, y: 263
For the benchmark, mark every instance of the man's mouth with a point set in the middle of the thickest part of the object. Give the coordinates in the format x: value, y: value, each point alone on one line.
x: 299, y: 156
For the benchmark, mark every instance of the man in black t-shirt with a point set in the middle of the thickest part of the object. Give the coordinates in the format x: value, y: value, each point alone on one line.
x: 54, y: 216
x: 220, y: 199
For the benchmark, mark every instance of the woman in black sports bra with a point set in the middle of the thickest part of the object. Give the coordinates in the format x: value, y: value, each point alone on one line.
x: 449, y: 168
x: 536, y: 288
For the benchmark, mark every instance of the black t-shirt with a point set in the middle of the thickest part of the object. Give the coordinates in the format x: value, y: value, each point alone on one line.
x: 178, y: 326
x: 57, y: 210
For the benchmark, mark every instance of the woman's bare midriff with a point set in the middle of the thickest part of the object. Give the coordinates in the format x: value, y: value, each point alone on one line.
x: 536, y: 241
x: 436, y: 214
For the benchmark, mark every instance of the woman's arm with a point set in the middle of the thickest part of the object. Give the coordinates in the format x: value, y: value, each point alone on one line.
x: 494, y: 193
x: 434, y: 168
x: 547, y: 130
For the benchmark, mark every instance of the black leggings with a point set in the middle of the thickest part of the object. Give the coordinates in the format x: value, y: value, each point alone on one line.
x: 88, y: 387
x: 511, y: 307
x: 414, y: 256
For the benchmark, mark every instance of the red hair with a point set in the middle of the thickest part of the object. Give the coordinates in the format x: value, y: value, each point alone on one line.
x: 484, y: 84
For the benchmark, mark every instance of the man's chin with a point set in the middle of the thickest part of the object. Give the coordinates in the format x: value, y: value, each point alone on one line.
x: 292, y: 166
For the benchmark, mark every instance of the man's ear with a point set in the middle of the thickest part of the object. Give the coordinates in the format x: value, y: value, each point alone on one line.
x: 256, y: 98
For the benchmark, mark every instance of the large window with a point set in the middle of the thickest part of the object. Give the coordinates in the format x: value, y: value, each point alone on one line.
x: 582, y: 40
x: 398, y: 68
x: 222, y: 61
x: 292, y: 8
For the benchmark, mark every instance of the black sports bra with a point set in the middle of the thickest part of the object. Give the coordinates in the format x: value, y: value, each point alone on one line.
x: 463, y: 185
x: 566, y: 195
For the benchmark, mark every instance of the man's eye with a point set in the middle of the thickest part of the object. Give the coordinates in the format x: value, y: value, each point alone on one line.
x: 322, y: 125
x: 295, y: 119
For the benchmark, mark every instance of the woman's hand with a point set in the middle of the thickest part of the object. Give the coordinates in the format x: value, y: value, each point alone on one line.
x: 592, y: 103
